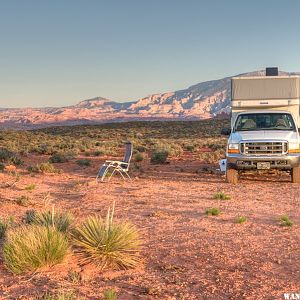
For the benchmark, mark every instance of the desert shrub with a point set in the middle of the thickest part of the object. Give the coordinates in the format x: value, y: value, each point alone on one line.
x: 68, y: 295
x: 107, y: 244
x: 221, y: 196
x: 190, y: 148
x: 48, y: 168
x: 84, y: 162
x: 59, y: 158
x: 5, y: 155
x: 44, y: 168
x: 241, y: 219
x: 30, y: 187
x: 139, y: 157
x: 74, y: 276
x: 28, y: 248
x: 140, y: 148
x: 286, y: 221
x: 98, y: 153
x: 109, y: 294
x: 23, y: 200
x: 214, y: 211
x: 3, y: 228
x: 60, y: 220
x: 159, y: 157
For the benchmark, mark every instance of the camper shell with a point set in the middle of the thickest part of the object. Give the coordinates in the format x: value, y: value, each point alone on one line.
x: 266, y: 93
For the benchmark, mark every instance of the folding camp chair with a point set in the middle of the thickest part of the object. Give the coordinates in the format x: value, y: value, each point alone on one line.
x: 122, y: 167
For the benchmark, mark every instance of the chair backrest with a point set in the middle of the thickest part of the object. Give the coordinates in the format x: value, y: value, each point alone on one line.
x: 128, y: 152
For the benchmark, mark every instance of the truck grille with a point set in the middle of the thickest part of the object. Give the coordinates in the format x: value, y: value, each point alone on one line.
x: 264, y: 148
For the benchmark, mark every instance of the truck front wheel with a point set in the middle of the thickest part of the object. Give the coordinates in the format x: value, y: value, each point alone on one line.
x: 232, y: 176
x: 296, y: 174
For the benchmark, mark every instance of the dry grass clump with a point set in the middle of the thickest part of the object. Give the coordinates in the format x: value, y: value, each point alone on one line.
x: 108, y: 244
x: 29, y: 248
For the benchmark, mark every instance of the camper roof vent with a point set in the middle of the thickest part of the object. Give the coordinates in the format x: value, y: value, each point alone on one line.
x: 272, y: 71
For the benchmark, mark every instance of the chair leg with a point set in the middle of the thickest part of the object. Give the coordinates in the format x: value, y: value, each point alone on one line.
x: 125, y: 172
x: 111, y: 175
x: 103, y: 175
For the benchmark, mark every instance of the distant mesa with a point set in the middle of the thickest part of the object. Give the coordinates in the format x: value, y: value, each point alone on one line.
x: 200, y: 101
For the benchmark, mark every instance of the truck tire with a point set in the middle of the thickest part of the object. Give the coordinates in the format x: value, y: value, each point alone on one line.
x: 296, y: 175
x: 232, y: 176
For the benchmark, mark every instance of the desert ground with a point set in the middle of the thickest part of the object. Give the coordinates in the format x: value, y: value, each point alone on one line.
x: 186, y: 254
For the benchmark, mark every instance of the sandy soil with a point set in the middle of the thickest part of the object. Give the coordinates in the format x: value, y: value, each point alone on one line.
x: 187, y: 255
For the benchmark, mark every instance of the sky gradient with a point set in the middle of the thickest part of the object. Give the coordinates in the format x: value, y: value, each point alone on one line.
x: 59, y: 52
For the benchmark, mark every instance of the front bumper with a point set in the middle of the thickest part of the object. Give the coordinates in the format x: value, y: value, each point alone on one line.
x: 245, y: 162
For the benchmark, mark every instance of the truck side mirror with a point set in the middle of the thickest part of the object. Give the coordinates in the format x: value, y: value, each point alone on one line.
x: 226, y: 131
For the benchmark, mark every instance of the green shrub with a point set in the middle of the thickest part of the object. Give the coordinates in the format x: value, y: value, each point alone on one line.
x: 29, y: 248
x: 109, y: 294
x: 221, y: 196
x: 241, y: 220
x: 84, y: 162
x: 159, y: 157
x: 108, y: 244
x: 5, y: 155
x: 61, y: 221
x: 190, y: 148
x: 213, y: 211
x: 286, y: 221
x: 59, y: 158
x: 139, y: 157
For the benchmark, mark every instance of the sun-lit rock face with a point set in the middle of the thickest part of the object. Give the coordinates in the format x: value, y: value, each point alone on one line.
x: 200, y: 101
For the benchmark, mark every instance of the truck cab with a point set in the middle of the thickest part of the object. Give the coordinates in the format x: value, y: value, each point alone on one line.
x: 264, y: 126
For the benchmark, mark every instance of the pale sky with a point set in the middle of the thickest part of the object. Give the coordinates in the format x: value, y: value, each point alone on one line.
x: 59, y: 52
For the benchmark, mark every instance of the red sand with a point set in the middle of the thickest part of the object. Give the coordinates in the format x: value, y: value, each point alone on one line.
x: 187, y: 255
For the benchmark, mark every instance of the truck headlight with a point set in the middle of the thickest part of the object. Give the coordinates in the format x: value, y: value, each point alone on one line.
x: 233, y: 148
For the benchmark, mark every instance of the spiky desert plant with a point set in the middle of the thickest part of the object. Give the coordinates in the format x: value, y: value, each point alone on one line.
x: 106, y: 243
x: 51, y: 218
x: 29, y: 248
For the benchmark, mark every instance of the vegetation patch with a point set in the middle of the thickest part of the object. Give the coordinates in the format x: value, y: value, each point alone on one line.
x: 214, y: 211
x: 286, y: 221
x: 221, y: 196
x: 108, y: 244
x: 50, y: 218
x: 29, y: 248
x: 241, y: 219
x: 159, y: 157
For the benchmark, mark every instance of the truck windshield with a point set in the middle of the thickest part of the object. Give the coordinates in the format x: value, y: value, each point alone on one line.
x: 267, y: 121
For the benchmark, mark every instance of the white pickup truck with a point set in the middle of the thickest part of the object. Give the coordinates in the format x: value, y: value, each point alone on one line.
x: 264, y: 126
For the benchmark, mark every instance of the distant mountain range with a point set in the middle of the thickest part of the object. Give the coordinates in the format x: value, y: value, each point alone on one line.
x: 201, y: 101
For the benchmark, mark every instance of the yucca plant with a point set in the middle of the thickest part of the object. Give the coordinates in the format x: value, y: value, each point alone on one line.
x: 28, y: 248
x: 108, y: 244
x: 50, y: 218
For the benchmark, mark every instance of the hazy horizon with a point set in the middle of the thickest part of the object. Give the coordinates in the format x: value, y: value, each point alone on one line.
x: 58, y: 53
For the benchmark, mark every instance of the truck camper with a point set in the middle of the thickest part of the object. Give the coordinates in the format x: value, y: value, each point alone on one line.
x: 264, y: 125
